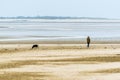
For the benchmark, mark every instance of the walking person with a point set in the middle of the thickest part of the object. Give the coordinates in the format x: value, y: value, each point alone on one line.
x: 88, y: 41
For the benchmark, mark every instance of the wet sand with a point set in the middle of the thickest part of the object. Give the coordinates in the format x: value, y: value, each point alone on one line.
x: 60, y: 62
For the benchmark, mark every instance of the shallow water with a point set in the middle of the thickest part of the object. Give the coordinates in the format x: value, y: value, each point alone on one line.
x: 53, y: 30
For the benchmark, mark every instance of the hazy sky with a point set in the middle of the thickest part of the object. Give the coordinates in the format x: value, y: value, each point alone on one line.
x: 81, y: 8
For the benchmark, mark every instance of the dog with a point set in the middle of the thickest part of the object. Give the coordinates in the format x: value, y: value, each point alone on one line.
x: 35, y: 46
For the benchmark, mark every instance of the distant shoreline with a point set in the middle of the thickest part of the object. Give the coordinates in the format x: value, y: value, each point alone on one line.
x: 50, y: 17
x: 57, y: 42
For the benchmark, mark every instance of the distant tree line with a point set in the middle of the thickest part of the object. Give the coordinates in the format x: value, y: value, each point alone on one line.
x: 48, y: 17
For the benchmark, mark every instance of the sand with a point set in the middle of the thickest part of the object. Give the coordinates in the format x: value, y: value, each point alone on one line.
x: 60, y: 62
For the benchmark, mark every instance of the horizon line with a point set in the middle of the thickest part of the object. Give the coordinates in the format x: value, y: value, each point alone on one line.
x: 54, y: 17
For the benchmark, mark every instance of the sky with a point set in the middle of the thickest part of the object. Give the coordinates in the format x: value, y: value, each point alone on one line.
x: 73, y: 8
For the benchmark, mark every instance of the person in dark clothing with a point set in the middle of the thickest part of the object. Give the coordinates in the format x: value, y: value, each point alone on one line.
x: 88, y: 41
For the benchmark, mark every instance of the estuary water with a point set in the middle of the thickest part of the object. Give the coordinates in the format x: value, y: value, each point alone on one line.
x: 35, y: 29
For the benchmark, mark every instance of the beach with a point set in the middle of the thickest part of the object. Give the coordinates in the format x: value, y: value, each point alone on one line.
x: 59, y: 40
x: 60, y: 62
x: 62, y: 53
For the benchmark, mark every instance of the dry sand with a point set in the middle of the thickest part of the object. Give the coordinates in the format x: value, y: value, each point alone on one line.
x: 60, y: 62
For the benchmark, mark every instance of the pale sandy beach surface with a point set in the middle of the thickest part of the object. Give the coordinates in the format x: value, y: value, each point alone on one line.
x: 60, y: 62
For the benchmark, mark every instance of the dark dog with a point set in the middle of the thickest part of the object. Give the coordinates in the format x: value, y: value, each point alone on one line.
x: 35, y: 46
